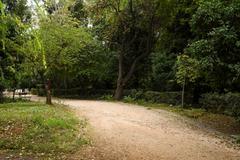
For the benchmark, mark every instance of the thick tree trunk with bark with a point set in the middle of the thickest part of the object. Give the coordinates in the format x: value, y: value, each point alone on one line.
x: 122, y: 81
x: 120, y: 86
x: 119, y: 92
x: 142, y: 45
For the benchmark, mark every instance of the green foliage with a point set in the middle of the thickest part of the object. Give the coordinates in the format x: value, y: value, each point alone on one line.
x: 75, y: 93
x: 222, y: 103
x: 131, y: 28
x: 136, y: 94
x: 78, y: 10
x: 163, y: 71
x: 187, y: 69
x: 190, y: 41
x: 173, y: 98
x: 32, y: 128
x: 163, y: 97
x: 128, y: 99
x: 106, y: 97
x: 18, y: 8
x: 64, y: 51
x: 216, y: 24
x: 11, y: 38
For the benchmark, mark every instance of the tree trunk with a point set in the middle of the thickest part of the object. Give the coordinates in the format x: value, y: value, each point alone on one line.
x: 119, y: 92
x: 1, y: 96
x: 183, y: 92
x: 48, y: 93
x: 14, y: 93
x: 124, y: 75
x: 123, y: 80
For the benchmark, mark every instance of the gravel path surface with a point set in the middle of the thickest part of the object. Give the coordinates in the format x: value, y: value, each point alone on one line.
x: 128, y: 132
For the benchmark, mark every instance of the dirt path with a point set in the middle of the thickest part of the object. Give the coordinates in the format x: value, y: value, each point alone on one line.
x: 128, y: 132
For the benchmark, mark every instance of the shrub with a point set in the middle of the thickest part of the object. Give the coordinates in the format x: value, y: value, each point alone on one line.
x: 74, y: 92
x: 222, y: 103
x: 34, y: 91
x: 128, y: 99
x: 41, y: 92
x: 163, y: 97
x: 81, y: 93
x: 156, y: 97
x: 136, y: 94
x: 38, y: 91
x: 106, y: 97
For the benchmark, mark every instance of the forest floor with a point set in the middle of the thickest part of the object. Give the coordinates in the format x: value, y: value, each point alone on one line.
x: 123, y: 131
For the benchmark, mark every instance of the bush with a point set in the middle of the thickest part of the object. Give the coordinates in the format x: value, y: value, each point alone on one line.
x: 128, y: 99
x: 41, y: 92
x: 34, y: 91
x: 74, y: 93
x: 81, y: 93
x: 136, y: 94
x: 38, y: 91
x: 106, y: 97
x: 173, y: 98
x: 222, y: 103
x: 163, y: 97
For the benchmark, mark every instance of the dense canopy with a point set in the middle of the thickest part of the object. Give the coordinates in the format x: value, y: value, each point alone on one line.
x: 147, y: 45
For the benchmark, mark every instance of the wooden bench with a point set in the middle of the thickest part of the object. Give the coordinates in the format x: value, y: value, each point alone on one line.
x: 23, y: 93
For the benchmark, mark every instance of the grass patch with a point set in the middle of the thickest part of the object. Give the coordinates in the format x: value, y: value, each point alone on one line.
x: 35, y: 129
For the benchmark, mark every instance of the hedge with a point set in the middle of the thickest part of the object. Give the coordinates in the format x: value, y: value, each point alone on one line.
x: 222, y: 103
x: 150, y: 96
x: 218, y: 103
x: 173, y: 98
x: 73, y: 93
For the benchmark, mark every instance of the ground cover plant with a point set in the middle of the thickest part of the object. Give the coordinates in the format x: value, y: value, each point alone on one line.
x: 34, y: 130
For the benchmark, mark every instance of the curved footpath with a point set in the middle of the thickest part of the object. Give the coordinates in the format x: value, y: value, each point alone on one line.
x: 128, y: 132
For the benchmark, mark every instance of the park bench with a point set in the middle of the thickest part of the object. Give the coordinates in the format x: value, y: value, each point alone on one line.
x: 23, y: 94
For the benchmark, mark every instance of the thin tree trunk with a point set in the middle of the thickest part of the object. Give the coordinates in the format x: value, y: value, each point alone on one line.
x: 1, y: 96
x: 14, y: 93
x: 183, y: 91
x: 48, y: 92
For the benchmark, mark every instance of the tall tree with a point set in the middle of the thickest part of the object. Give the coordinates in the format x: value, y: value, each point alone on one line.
x: 64, y: 50
x: 216, y: 45
x: 131, y: 28
x: 12, y: 30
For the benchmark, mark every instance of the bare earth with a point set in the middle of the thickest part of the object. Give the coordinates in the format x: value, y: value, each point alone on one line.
x: 128, y: 132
